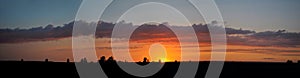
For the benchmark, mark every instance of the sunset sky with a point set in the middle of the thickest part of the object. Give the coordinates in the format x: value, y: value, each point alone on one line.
x: 257, y: 30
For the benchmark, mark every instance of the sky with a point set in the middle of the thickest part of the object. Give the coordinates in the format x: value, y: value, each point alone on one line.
x: 259, y: 15
x: 257, y: 30
x: 34, y: 13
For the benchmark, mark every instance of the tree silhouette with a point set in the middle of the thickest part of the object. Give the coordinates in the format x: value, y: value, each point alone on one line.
x: 68, y: 60
x: 83, y: 60
x: 159, y: 61
x: 145, y: 60
x: 289, y: 61
x: 102, y: 59
x: 46, y: 60
x: 110, y: 60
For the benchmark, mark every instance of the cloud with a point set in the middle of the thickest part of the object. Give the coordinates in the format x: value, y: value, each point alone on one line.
x: 50, y: 32
x: 148, y: 32
x: 279, y: 38
x: 35, y: 34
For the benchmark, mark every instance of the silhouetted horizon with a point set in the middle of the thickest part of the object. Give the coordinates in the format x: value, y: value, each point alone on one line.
x: 142, y: 61
x: 112, y: 70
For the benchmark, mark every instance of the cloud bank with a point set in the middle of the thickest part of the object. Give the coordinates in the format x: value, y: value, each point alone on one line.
x: 280, y: 38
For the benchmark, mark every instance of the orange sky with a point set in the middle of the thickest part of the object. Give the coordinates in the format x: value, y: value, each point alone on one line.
x: 60, y: 50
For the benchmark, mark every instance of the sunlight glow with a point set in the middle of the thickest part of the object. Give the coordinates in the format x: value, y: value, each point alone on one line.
x: 157, y: 51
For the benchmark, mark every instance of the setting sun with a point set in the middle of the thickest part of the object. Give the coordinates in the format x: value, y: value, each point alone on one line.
x: 157, y: 52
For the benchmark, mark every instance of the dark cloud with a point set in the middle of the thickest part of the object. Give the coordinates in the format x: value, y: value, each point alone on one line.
x: 35, y: 34
x: 279, y: 38
x: 50, y: 32
x: 204, y: 29
x: 148, y: 32
x: 152, y: 33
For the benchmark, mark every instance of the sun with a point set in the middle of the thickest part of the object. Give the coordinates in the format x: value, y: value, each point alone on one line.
x: 157, y: 52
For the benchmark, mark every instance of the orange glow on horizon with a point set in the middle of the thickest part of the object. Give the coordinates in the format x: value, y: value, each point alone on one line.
x: 168, y: 51
x: 60, y: 50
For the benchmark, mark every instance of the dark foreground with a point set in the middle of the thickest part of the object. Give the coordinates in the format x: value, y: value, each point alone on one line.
x: 26, y: 69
